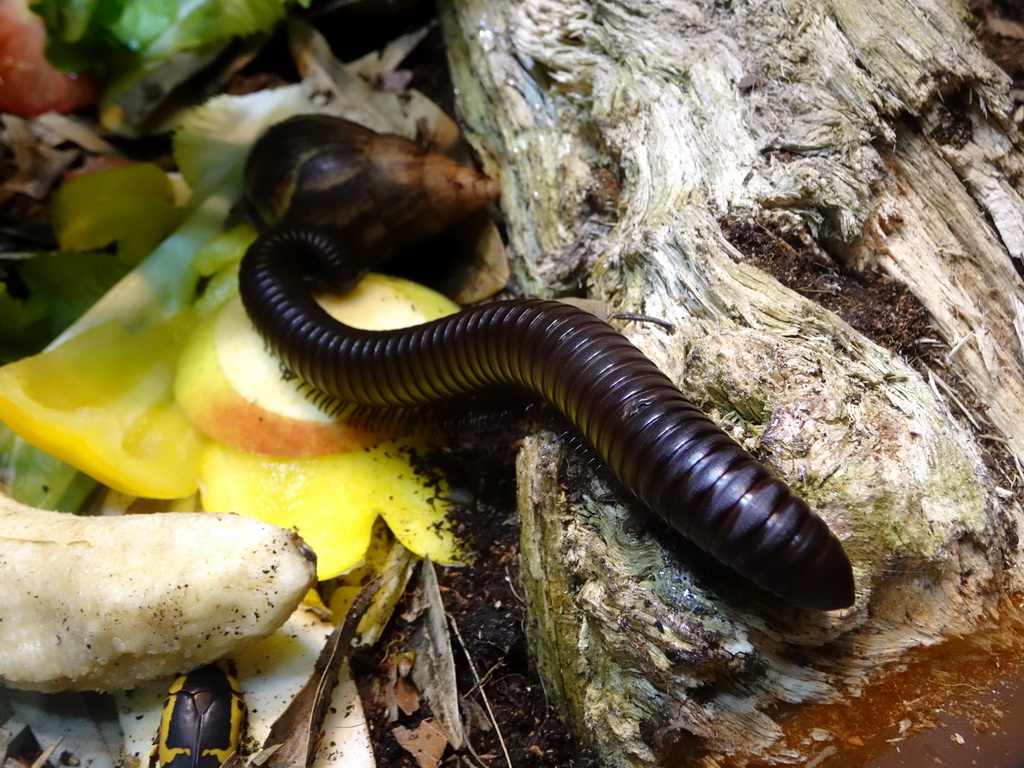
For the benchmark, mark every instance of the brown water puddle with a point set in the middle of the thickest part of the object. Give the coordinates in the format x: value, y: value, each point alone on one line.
x: 959, y: 704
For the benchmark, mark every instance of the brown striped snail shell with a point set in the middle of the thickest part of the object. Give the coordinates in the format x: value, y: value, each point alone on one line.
x: 383, y: 191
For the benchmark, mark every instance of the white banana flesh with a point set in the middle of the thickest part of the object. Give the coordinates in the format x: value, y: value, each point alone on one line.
x: 106, y: 603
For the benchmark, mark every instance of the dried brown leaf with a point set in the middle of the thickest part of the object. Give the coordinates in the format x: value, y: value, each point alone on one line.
x: 296, y: 733
x: 434, y: 671
x: 426, y: 742
x: 1004, y: 28
x: 406, y: 695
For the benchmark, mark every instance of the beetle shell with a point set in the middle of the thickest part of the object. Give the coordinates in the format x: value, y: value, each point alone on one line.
x: 202, y: 721
x: 658, y: 443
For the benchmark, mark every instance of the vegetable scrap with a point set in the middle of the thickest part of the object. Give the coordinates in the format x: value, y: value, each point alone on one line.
x: 98, y: 374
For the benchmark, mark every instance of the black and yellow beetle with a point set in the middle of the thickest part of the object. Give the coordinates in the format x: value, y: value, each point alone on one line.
x: 202, y: 721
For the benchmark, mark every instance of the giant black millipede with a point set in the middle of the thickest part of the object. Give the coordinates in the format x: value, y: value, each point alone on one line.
x: 658, y: 443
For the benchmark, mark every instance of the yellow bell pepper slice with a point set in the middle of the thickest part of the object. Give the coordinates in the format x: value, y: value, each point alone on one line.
x: 103, y: 402
x: 333, y: 501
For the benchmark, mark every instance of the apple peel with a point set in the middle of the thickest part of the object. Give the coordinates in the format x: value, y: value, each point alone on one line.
x: 233, y: 391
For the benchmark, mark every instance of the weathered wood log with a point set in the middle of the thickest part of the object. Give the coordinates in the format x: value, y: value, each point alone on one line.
x: 630, y: 137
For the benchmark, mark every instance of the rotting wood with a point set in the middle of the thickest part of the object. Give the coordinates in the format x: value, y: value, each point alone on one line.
x: 626, y: 134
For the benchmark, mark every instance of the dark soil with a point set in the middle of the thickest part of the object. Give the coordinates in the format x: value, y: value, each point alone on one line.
x: 484, y: 602
x: 881, y: 308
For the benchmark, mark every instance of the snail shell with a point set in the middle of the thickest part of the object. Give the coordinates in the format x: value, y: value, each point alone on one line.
x: 383, y: 191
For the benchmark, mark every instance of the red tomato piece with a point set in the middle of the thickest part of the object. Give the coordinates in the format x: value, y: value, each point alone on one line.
x: 29, y: 86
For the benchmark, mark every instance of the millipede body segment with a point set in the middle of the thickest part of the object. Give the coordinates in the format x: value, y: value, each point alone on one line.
x: 658, y: 443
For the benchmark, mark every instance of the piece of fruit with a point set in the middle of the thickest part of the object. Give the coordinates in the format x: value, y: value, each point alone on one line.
x: 29, y: 85
x: 333, y: 501
x: 131, y: 205
x: 103, y: 402
x: 233, y: 390
x: 102, y: 603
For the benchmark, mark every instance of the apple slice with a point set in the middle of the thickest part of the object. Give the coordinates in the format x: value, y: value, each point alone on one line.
x: 233, y: 390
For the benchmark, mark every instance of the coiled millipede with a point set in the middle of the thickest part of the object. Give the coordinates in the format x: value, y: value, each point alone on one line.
x: 657, y: 442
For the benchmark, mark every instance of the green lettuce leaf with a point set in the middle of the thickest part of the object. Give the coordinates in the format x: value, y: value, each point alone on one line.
x: 114, y: 37
x: 53, y: 289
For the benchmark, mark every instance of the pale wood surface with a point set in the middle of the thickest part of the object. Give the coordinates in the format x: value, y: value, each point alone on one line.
x: 624, y: 134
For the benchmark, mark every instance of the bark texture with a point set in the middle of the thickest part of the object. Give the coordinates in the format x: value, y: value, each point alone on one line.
x: 628, y: 137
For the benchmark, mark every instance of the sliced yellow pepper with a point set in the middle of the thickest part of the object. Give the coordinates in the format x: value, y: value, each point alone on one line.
x: 103, y: 402
x: 333, y: 501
